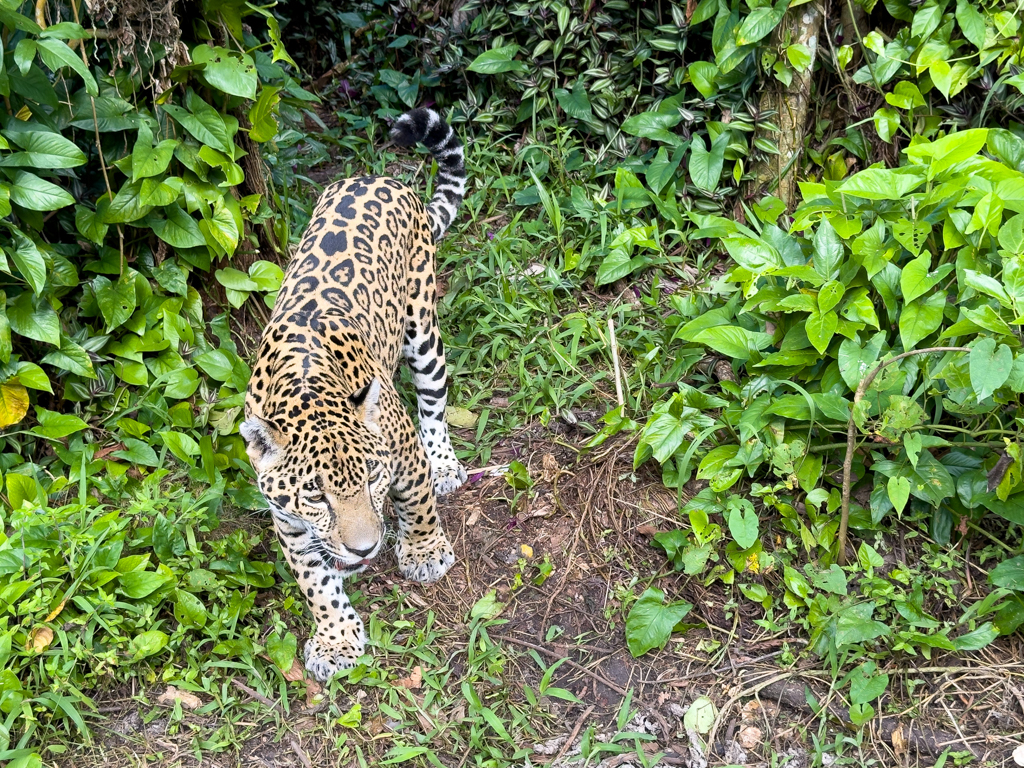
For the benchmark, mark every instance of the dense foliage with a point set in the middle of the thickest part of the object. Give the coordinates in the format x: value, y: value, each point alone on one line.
x: 148, y: 198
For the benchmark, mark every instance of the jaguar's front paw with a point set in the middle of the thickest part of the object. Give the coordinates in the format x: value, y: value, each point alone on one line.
x: 425, y: 560
x: 447, y: 477
x: 325, y: 658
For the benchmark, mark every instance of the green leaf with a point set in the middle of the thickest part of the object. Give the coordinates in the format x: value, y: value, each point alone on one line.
x: 732, y: 341
x: 1009, y: 574
x: 855, y: 361
x: 576, y: 103
x: 742, y: 520
x: 207, y: 126
x: 178, y: 229
x: 140, y: 584
x: 705, y: 166
x: 828, y: 250
x: 30, y: 191
x: 921, y: 318
x: 127, y: 205
x: 56, y: 425
x: 830, y: 294
x: 652, y: 125
x: 56, y: 55
x: 916, y: 280
x: 233, y: 73
x: 148, y: 160
x: 971, y: 22
x: 42, y: 149
x: 137, y: 452
x: 497, y: 60
x: 702, y: 74
x: 989, y: 366
x: 148, y: 644
x: 821, y: 327
x: 261, y: 115
x: 116, y: 300
x: 855, y: 625
x: 760, y: 22
x: 650, y: 621
x: 662, y: 169
x: 34, y: 319
x: 29, y: 261
x: 881, y: 184
x: 189, y: 609
x: 71, y: 357
x: 281, y: 650
x: 899, y: 492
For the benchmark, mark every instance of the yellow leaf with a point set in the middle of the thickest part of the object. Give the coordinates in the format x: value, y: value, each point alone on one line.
x: 526, y: 550
x: 39, y: 639
x: 24, y: 114
x: 13, y: 402
x: 56, y: 611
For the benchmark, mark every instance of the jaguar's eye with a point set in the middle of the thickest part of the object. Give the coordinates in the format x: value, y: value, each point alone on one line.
x: 316, y: 498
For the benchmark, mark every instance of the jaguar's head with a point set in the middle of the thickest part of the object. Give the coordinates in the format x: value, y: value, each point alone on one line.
x: 329, y: 476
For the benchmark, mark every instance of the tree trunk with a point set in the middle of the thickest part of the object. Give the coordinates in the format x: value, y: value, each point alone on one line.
x: 777, y: 174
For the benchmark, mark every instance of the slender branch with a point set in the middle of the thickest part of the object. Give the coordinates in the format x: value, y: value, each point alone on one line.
x: 851, y: 437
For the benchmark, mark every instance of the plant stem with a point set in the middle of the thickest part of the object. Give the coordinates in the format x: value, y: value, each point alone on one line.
x: 851, y: 437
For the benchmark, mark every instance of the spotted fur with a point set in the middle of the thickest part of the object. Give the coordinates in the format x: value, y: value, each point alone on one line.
x: 324, y: 426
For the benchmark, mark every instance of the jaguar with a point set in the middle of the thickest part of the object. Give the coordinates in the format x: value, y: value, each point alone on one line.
x: 324, y: 426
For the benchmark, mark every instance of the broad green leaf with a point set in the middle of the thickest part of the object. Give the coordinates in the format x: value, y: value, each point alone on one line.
x: 57, y: 425
x: 732, y: 341
x: 235, y: 279
x: 1009, y: 574
x: 828, y: 250
x: 178, y: 229
x: 821, y: 327
x: 989, y: 366
x: 576, y: 103
x: 31, y: 192
x: 127, y: 205
x: 662, y: 169
x: 34, y: 319
x: 971, y: 22
x: 916, y: 279
x: 228, y: 71
x: 261, y: 115
x: 148, y: 644
x: 42, y: 149
x: 116, y: 300
x: 702, y: 74
x: 742, y: 520
x: 760, y: 22
x: 856, y: 625
x: 137, y: 452
x: 148, y: 160
x: 281, y: 650
x: 497, y: 60
x: 898, y: 488
x: 921, y: 318
x: 207, y: 127
x: 881, y: 184
x: 650, y: 621
x: 830, y: 294
x: 56, y: 55
x: 887, y: 123
x: 29, y: 261
x: 71, y: 357
x: 706, y: 166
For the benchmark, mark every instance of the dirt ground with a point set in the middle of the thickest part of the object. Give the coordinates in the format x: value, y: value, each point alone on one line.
x: 593, y: 518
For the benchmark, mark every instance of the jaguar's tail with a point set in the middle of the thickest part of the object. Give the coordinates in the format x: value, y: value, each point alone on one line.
x: 425, y: 126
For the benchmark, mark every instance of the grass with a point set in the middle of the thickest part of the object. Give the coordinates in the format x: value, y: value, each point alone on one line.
x: 522, y: 644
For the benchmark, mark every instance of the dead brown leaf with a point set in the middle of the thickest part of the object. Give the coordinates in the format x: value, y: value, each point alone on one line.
x: 39, y: 639
x: 414, y: 680
x: 646, y: 530
x: 188, y: 699
x: 750, y: 737
x: 551, y: 468
x: 56, y: 611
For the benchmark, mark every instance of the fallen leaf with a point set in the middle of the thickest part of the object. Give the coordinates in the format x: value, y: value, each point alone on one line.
x: 39, y: 639
x: 460, y: 417
x: 313, y: 690
x: 414, y: 680
x: 296, y: 673
x: 646, y: 530
x: 188, y: 700
x: 750, y: 737
x: 526, y: 550
x: 551, y: 469
x: 899, y: 743
x: 474, y: 516
x: 56, y: 611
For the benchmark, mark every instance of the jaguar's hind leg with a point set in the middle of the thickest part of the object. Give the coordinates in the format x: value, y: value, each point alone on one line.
x: 424, y: 352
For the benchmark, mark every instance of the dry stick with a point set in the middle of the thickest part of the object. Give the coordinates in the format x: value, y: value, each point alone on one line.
x: 573, y: 734
x: 292, y: 741
x: 851, y: 437
x: 553, y: 655
x: 615, y: 363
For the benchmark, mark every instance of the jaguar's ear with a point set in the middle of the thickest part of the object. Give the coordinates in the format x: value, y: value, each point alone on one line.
x: 260, y: 441
x: 366, y: 402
